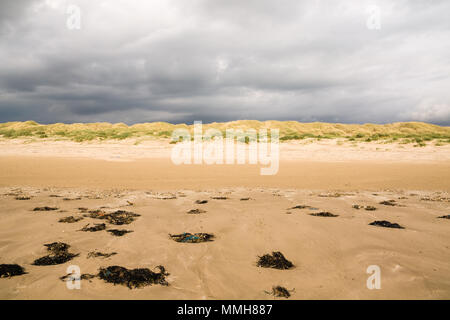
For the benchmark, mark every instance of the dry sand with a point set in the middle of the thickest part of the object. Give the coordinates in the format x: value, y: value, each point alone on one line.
x: 330, y: 255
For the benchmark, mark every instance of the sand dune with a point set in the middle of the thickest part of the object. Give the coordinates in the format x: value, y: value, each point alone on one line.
x: 405, y: 132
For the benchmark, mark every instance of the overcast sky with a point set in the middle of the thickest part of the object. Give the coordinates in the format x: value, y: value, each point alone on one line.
x: 218, y: 60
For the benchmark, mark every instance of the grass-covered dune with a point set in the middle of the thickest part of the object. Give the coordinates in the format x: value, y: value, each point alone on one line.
x: 402, y: 132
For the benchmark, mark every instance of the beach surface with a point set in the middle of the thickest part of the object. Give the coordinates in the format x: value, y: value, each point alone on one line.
x: 249, y: 215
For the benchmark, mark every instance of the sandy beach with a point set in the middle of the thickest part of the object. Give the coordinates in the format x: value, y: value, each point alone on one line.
x: 249, y: 215
x: 224, y: 150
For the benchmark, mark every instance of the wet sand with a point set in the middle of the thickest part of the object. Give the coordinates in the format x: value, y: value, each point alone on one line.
x: 330, y: 254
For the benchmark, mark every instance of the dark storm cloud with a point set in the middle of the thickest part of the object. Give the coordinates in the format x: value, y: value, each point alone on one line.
x: 180, y: 61
x: 13, y: 9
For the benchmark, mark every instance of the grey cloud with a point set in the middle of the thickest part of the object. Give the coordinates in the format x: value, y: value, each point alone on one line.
x: 12, y: 9
x: 181, y: 61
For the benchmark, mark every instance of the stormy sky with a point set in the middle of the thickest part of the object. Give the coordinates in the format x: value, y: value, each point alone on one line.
x: 132, y: 61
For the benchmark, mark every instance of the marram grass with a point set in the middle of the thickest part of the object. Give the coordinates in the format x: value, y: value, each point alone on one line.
x: 418, y: 133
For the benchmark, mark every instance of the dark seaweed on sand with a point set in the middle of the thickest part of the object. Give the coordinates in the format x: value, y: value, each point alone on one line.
x: 389, y: 203
x: 134, y: 278
x: 96, y: 254
x: 444, y: 217
x: 196, y: 211
x: 323, y: 214
x: 45, y: 208
x: 22, y: 198
x: 11, y: 270
x: 276, y: 260
x: 95, y: 228
x: 300, y: 207
x: 96, y: 214
x: 57, y: 247
x: 70, y: 219
x: 201, y: 201
x: 72, y: 277
x: 192, y: 238
x: 118, y: 217
x: 58, y: 254
x: 386, y: 224
x: 219, y: 198
x: 54, y: 259
x: 280, y: 292
x: 368, y: 208
x: 118, y: 233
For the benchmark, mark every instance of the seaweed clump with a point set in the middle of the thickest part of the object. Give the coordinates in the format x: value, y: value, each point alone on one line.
x: 391, y: 203
x: 324, y: 214
x: 72, y: 277
x: 45, y: 208
x: 96, y: 254
x: 70, y: 219
x: 57, y: 247
x: 201, y: 201
x: 300, y: 207
x: 58, y: 254
x: 118, y: 217
x: 22, y: 198
x: 95, y: 228
x: 118, y: 233
x: 134, y: 278
x: 280, y: 292
x: 276, y: 261
x: 196, y: 211
x: 11, y: 270
x: 444, y: 217
x: 192, y: 238
x: 368, y: 208
x: 386, y: 224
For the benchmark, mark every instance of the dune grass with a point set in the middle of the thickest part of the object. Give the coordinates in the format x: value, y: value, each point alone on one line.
x: 417, y: 133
